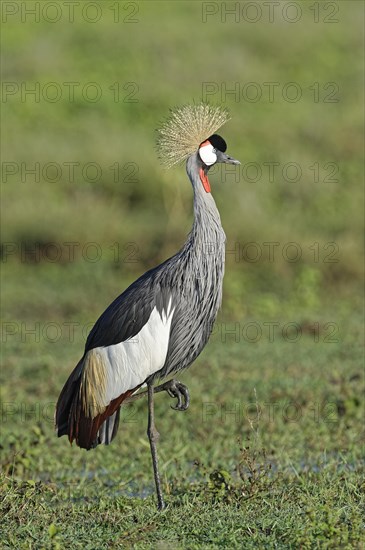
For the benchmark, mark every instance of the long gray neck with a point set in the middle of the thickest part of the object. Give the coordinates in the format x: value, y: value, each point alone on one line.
x: 207, y: 227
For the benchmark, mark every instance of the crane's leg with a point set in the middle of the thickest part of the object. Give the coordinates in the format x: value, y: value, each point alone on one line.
x: 153, y: 436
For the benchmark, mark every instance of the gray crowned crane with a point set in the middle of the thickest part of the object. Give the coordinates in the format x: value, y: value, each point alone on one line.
x: 160, y: 323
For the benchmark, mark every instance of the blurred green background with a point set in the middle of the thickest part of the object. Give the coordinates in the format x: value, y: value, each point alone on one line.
x: 140, y: 69
x: 70, y: 244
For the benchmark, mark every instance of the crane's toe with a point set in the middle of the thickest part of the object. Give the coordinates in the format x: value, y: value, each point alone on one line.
x: 179, y: 391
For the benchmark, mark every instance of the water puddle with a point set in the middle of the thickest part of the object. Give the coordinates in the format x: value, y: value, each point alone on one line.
x: 90, y: 487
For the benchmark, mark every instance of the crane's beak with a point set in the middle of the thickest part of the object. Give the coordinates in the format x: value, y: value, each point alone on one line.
x: 222, y: 157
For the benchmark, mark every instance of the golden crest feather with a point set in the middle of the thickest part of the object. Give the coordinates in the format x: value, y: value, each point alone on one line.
x: 185, y: 129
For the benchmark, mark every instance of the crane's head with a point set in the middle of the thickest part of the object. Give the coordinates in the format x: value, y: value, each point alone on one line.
x: 185, y: 133
x: 213, y: 150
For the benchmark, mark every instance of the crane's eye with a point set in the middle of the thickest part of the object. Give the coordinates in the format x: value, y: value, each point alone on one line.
x: 207, y: 154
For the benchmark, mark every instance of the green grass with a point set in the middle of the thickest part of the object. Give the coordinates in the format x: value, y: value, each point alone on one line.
x: 270, y: 453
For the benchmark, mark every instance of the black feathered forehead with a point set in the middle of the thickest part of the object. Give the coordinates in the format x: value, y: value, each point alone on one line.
x: 218, y: 143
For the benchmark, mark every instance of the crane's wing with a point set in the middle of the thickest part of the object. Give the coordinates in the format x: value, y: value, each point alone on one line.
x: 125, y: 317
x: 127, y: 344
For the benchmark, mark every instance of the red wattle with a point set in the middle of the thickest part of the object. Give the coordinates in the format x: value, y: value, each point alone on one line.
x: 204, y: 180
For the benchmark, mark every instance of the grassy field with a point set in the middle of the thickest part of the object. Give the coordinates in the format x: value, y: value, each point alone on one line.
x: 270, y: 453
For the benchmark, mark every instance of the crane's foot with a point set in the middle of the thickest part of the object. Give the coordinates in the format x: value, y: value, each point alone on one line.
x: 176, y: 390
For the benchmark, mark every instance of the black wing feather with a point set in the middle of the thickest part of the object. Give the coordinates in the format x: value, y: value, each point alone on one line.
x: 130, y: 311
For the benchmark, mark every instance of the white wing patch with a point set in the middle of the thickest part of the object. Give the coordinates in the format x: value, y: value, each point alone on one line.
x: 129, y: 363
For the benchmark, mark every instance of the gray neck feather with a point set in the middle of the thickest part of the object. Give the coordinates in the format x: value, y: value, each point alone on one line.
x: 197, y: 277
x: 207, y: 228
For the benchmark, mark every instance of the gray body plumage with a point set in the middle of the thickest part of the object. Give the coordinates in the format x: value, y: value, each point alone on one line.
x: 190, y: 283
x: 196, y: 275
x: 192, y: 279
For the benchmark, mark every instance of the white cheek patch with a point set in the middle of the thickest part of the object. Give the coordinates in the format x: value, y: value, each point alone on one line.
x: 207, y: 154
